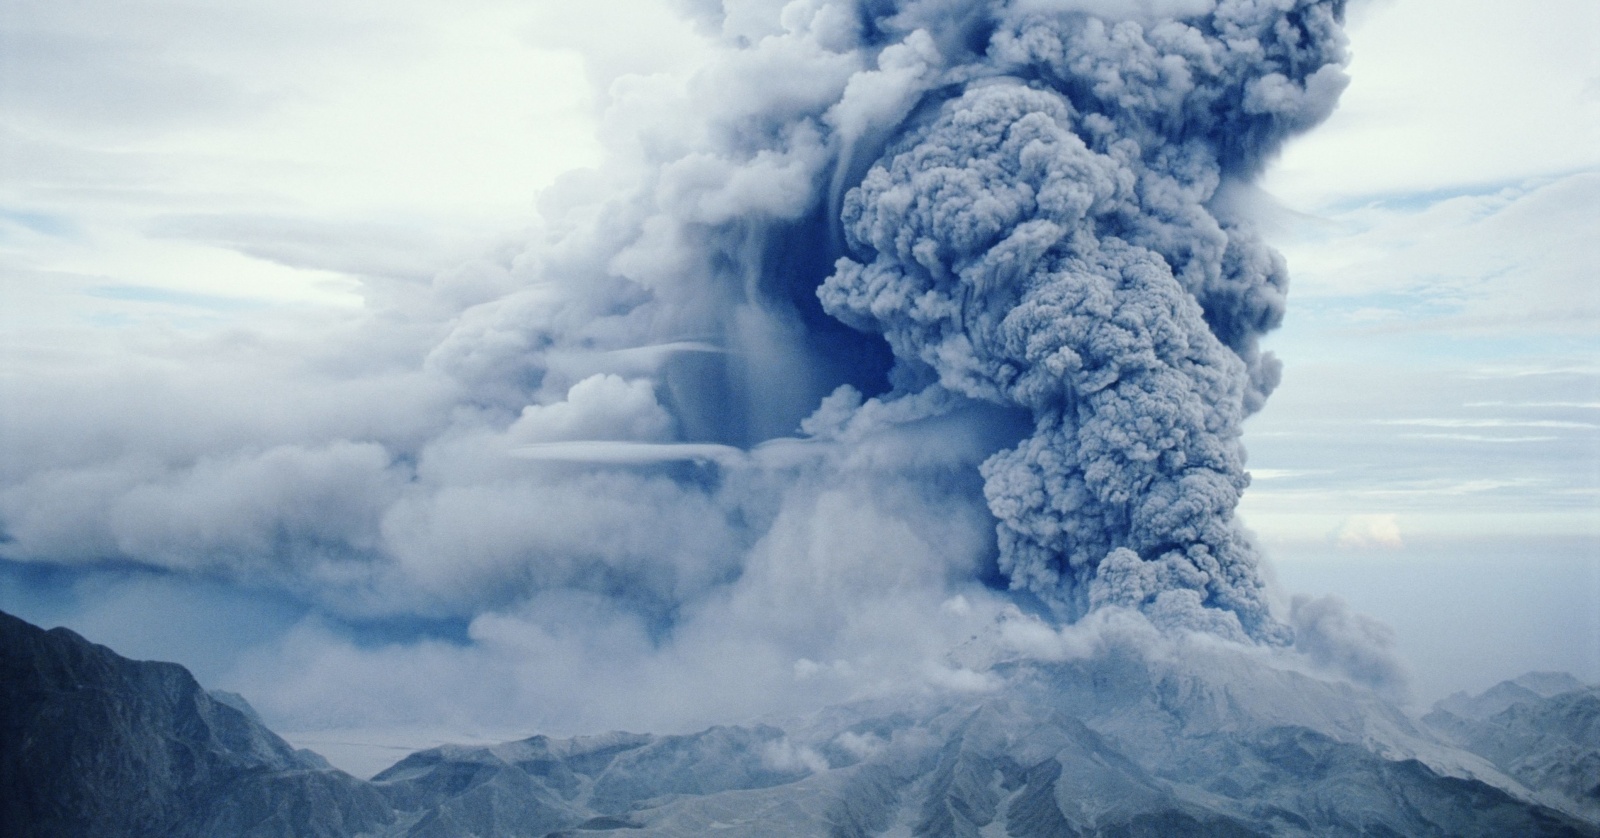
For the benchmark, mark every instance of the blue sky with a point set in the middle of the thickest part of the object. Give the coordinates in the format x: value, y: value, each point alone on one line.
x: 229, y: 237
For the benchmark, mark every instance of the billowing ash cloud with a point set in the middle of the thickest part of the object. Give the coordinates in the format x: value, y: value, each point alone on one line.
x: 892, y: 304
x: 1053, y: 237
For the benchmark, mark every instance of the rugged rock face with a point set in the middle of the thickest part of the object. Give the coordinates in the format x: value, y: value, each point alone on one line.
x: 1207, y: 744
x: 1542, y: 728
x: 94, y: 744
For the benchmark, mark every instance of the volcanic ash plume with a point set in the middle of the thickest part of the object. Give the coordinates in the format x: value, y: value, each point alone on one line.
x: 989, y: 260
x: 1054, y: 236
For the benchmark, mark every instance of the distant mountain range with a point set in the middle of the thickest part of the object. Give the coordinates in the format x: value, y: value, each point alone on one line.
x: 1217, y: 744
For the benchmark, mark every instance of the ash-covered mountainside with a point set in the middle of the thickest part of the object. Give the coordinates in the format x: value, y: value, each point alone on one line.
x: 1213, y: 742
x: 1542, y: 728
x: 1195, y: 737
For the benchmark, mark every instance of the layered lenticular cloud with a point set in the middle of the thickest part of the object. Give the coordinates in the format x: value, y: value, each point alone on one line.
x: 889, y: 302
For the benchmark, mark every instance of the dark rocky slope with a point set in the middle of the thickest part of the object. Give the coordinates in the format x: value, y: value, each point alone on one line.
x: 94, y: 744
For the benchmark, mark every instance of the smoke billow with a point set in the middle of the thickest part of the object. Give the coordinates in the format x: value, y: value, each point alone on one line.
x: 890, y: 301
x: 1045, y: 227
x: 1047, y: 239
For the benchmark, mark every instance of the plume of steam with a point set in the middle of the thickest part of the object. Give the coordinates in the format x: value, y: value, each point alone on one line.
x: 1332, y: 636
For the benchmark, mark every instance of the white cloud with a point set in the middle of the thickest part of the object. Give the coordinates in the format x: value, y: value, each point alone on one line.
x: 1365, y: 532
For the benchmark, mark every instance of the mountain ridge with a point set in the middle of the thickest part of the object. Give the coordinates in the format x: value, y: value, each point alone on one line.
x: 1211, y: 742
x: 92, y: 743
